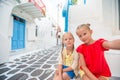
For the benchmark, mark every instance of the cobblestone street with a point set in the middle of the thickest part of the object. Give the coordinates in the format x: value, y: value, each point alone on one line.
x: 39, y: 65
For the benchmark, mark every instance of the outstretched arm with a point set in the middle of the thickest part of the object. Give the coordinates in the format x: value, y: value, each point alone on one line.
x: 115, y: 44
x: 85, y: 69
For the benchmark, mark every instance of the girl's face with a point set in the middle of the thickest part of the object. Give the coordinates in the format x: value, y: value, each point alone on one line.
x: 68, y: 40
x: 84, y: 34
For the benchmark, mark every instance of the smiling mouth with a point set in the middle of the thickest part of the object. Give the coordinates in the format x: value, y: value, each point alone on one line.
x: 84, y: 40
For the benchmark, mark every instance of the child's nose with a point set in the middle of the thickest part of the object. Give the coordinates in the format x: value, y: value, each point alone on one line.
x: 83, y: 37
x: 68, y: 39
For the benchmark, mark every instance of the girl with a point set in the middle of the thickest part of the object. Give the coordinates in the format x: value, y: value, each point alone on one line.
x: 68, y: 59
x: 92, y: 51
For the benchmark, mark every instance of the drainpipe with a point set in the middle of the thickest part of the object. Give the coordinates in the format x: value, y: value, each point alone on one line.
x: 65, y: 12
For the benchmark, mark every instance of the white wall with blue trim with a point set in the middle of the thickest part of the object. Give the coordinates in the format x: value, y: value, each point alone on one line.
x: 6, y: 31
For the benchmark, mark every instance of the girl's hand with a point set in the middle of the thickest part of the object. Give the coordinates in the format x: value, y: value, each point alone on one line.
x: 102, y: 78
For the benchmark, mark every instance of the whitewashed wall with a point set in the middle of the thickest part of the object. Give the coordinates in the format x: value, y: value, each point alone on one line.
x: 5, y: 17
x: 99, y: 13
x: 31, y: 27
x: 46, y: 33
x: 6, y: 29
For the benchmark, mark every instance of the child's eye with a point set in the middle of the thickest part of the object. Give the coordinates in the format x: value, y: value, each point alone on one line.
x: 65, y: 39
x: 84, y: 33
x: 80, y: 36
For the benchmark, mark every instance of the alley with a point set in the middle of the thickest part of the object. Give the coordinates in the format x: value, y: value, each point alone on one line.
x: 34, y: 66
x: 31, y: 31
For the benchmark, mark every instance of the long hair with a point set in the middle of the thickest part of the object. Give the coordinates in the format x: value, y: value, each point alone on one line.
x: 63, y: 46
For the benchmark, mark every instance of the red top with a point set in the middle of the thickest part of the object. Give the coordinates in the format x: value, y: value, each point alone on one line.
x: 94, y: 58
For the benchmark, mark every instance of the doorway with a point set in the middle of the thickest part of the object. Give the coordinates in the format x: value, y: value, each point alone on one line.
x: 18, y: 38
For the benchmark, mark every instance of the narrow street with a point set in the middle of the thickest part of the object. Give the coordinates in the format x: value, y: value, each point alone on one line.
x: 39, y: 65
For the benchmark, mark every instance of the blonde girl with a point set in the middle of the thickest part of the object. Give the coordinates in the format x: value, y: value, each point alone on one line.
x: 68, y: 59
x: 92, y: 52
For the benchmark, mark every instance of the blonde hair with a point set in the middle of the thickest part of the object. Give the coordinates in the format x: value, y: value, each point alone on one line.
x: 84, y: 25
x: 63, y: 40
x: 67, y: 33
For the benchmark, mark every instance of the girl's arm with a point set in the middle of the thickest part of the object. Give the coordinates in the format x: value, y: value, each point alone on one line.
x: 115, y: 44
x: 60, y: 71
x: 85, y: 69
x: 60, y: 68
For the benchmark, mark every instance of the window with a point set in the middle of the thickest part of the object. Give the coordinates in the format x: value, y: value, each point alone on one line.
x: 36, y: 31
x: 116, y: 16
x: 119, y: 13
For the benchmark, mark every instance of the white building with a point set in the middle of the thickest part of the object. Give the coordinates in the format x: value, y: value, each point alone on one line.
x: 103, y: 15
x: 19, y: 27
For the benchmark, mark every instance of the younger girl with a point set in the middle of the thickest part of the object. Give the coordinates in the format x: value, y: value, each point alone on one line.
x: 96, y: 67
x: 68, y: 59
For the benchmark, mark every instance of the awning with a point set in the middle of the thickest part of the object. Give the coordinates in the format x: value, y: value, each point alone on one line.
x: 31, y: 10
x: 34, y: 8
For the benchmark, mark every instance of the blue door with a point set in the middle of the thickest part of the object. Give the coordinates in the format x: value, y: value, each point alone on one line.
x: 18, y: 39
